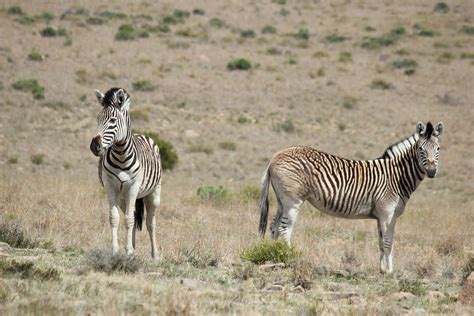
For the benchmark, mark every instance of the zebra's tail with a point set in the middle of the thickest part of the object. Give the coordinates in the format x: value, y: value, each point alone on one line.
x: 264, y: 202
x: 139, y: 211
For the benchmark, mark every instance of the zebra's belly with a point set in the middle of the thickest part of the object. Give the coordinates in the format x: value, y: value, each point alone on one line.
x: 363, y: 210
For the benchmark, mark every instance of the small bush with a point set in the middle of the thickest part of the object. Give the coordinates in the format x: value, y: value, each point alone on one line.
x: 342, y: 126
x: 16, y: 237
x: 370, y: 29
x: 143, y: 85
x: 26, y: 20
x: 242, y: 119
x: 112, y: 15
x: 273, y: 51
x: 227, y: 145
x: 12, y: 159
x: 441, y: 7
x: 413, y: 286
x: 126, y: 32
x: 168, y: 155
x: 239, y: 64
x: 380, y: 84
x: 269, y: 29
x: 345, y: 57
x: 216, y: 22
x: 270, y: 251
x: 302, y: 34
x: 197, y: 258
x: 445, y: 58
x: 426, y: 33
x: 287, y: 126
x: 15, y: 10
x: 35, y: 56
x: 404, y: 63
x: 467, y: 30
x: 349, y: 102
x: 280, y: 2
x: 181, y: 14
x: 198, y: 12
x: 247, y: 33
x: 30, y: 85
x: 378, y: 42
x: 46, y: 16
x: 213, y: 193
x: 27, y: 270
x: 335, y: 38
x: 104, y: 261
x: 48, y: 32
x: 398, y: 31
x: 284, y: 12
x: 37, y: 159
x: 95, y: 20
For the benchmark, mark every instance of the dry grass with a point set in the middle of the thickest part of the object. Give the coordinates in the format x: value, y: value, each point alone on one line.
x: 197, y: 104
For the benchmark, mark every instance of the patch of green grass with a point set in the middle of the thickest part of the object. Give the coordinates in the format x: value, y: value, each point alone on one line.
x: 247, y: 33
x: 466, y: 29
x: 95, y: 20
x: 250, y: 193
x: 270, y: 251
x: 104, y: 261
x: 197, y: 258
x: 12, y: 159
x: 380, y: 84
x: 273, y: 51
x: 30, y: 85
x: 445, y: 58
x: 412, y: 286
x: 213, y: 193
x: 181, y: 14
x: 110, y: 15
x: 199, y: 11
x: 26, y: 19
x: 200, y: 148
x: 242, y: 119
x: 405, y: 63
x: 269, y: 29
x: 228, y: 145
x: 302, y: 34
x: 16, y: 237
x: 15, y: 10
x: 126, y: 32
x: 398, y: 31
x: 280, y: 2
x: 426, y: 33
x: 378, y: 42
x: 286, y: 126
x: 143, y: 85
x: 48, y: 32
x: 345, y: 57
x: 35, y: 56
x: 27, y: 270
x: 349, y: 102
x: 168, y: 155
x: 216, y: 22
x: 335, y: 38
x: 239, y: 64
x: 441, y: 7
x: 38, y: 159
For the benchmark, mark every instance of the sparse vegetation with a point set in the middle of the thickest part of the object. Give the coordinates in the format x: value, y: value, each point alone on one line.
x: 302, y: 34
x: 239, y: 64
x: 38, y: 159
x: 441, y: 7
x: 27, y: 270
x: 380, y: 84
x: 200, y: 148
x: 103, y: 261
x: 198, y: 12
x: 378, y: 42
x: 445, y: 58
x: 12, y: 159
x: 31, y: 85
x: 35, y: 56
x: 270, y: 251
x: 16, y: 237
x: 211, y: 193
x: 126, y: 32
x: 469, y: 30
x: 467, y: 269
x: 216, y: 22
x: 273, y: 51
x: 412, y: 286
x: 335, y: 38
x: 405, y: 63
x: 286, y: 126
x: 15, y: 10
x: 345, y: 57
x: 143, y: 85
x: 247, y: 33
x: 228, y: 145
x: 269, y: 29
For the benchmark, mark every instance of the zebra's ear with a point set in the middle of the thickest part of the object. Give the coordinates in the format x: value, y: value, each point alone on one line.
x: 420, y: 128
x: 438, y: 130
x: 99, y: 95
x: 123, y: 100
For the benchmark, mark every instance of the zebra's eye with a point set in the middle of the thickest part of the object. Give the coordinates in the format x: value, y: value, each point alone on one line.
x: 437, y: 148
x: 113, y: 120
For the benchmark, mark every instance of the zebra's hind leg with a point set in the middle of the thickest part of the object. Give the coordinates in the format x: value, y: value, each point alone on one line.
x: 152, y: 202
x: 291, y: 208
x: 276, y: 221
x: 386, y: 228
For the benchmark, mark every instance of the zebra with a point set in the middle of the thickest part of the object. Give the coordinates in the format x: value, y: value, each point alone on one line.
x: 129, y: 169
x: 377, y: 189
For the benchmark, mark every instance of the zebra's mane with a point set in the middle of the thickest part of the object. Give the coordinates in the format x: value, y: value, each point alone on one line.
x: 400, y: 147
x: 110, y: 97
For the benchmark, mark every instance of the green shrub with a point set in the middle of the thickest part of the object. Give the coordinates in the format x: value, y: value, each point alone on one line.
x: 95, y: 20
x: 26, y: 20
x: 378, y: 42
x: 342, y: 126
x: 181, y: 14
x: 349, y: 102
x: 200, y: 148
x: 412, y: 286
x: 35, y: 56
x: 286, y: 126
x: 15, y: 10
x: 168, y: 155
x: 30, y: 85
x: 426, y: 33
x: 46, y: 16
x: 213, y: 193
x: 112, y: 15
x: 16, y: 237
x: 12, y: 159
x: 380, y: 84
x: 227, y: 145
x: 247, y: 33
x: 468, y: 30
x: 445, y: 58
x: 398, y: 31
x: 249, y: 193
x: 242, y: 119
x: 284, y: 12
x: 345, y: 57
x: 302, y: 34
x: 273, y: 51
x: 370, y: 29
x: 27, y: 270
x: 37, y: 159
x: 104, y: 261
x: 126, y: 32
x: 239, y: 64
x: 48, y: 32
x: 404, y: 63
x: 198, y: 12
x: 216, y: 22
x: 143, y: 85
x: 335, y: 38
x: 269, y: 29
x: 270, y: 251
x: 441, y: 7
x: 197, y: 258
x: 281, y: 2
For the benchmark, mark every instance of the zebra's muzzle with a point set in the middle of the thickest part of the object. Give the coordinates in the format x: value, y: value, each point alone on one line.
x: 96, y: 146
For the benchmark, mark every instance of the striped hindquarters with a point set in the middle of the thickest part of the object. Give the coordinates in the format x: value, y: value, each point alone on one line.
x: 150, y: 163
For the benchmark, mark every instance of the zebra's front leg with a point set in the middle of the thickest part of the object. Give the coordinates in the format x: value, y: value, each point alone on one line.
x: 130, y: 198
x: 386, y: 228
x: 114, y: 218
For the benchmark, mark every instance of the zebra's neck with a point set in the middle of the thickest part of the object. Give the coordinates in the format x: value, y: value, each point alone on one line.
x: 401, y: 148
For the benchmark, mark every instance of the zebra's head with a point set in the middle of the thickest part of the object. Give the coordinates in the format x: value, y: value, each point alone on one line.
x: 113, y: 122
x: 427, y: 147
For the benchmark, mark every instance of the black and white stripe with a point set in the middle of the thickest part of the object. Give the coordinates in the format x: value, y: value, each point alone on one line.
x: 378, y: 188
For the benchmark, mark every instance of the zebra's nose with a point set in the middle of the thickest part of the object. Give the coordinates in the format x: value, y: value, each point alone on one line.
x: 96, y: 145
x: 431, y: 161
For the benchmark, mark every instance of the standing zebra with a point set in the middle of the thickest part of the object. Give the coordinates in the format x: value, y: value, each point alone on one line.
x: 129, y: 168
x: 377, y: 189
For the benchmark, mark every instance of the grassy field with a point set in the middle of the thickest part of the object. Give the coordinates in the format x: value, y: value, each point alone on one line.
x: 348, y: 78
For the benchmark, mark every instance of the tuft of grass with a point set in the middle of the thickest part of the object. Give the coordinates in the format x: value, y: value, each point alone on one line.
x: 12, y: 159
x: 48, y: 32
x: 449, y: 246
x: 270, y: 251
x: 335, y: 38
x: 15, y: 10
x: 228, y: 145
x: 239, y: 64
x: 242, y: 119
x: 110, y: 15
x: 104, y: 261
x: 441, y: 7
x: 212, y: 193
x: 30, y: 85
x: 380, y: 84
x: 35, y: 56
x: 404, y: 63
x: 46, y: 16
x: 302, y: 34
x: 286, y: 126
x: 445, y: 58
x: 217, y: 23
x: 247, y: 33
x: 197, y: 258
x: 250, y: 193
x: 126, y: 32
x: 16, y: 237
x: 398, y: 31
x: 38, y: 159
x: 378, y: 42
x: 467, y: 30
x: 280, y: 2
x: 370, y: 29
x: 273, y: 51
x: 284, y: 12
x: 413, y: 286
x: 198, y: 11
x: 27, y: 270
x: 199, y: 148
x: 342, y: 126
x: 143, y: 85
x: 425, y: 32
x: 168, y: 155
x: 95, y: 20
x: 345, y: 57
x: 349, y: 102
x: 269, y: 29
